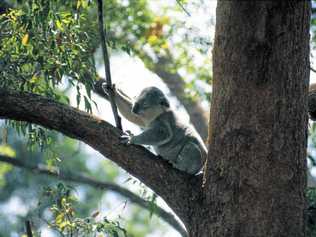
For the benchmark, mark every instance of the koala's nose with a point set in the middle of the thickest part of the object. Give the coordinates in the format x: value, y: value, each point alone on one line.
x: 135, y: 108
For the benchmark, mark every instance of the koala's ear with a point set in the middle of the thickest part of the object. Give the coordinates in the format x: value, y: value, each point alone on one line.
x: 165, y: 102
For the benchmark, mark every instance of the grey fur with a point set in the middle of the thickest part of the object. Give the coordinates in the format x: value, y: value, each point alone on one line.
x: 172, y: 140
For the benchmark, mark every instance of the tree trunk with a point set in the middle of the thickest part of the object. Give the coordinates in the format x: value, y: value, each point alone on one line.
x: 256, y: 173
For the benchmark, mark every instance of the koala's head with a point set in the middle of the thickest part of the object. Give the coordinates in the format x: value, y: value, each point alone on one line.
x: 150, y: 103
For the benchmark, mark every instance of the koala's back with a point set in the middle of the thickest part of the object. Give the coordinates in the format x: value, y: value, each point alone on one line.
x: 182, y: 135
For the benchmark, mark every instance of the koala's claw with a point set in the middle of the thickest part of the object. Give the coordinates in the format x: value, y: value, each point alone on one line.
x: 126, y: 138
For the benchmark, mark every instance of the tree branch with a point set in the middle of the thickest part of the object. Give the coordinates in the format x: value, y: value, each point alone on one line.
x: 102, y: 136
x: 183, y: 8
x: 28, y: 228
x: 102, y: 30
x: 81, y: 179
x: 312, y: 69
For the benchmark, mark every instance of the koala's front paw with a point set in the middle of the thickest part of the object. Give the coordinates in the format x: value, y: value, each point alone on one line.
x: 126, y: 138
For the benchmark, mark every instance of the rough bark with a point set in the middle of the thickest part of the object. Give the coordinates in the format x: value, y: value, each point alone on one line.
x: 256, y: 172
x: 68, y: 176
x: 168, y: 183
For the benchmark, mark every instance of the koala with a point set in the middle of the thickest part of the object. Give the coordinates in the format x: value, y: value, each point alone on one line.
x: 175, y: 142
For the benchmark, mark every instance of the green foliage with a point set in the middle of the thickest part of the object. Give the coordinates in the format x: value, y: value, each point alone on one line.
x: 68, y: 223
x: 41, y: 43
x: 6, y: 150
x: 25, y: 184
x: 35, y: 135
x: 42, y: 48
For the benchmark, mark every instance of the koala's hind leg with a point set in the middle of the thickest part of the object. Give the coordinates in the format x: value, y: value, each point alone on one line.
x: 190, y: 159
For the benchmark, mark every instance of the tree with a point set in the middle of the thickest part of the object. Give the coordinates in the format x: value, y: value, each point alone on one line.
x: 255, y: 175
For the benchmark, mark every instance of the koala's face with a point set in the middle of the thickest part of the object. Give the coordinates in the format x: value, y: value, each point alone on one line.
x: 149, y: 102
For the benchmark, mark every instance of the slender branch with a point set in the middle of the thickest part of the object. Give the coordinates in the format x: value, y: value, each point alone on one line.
x: 102, y: 30
x: 183, y: 8
x: 312, y: 69
x: 28, y: 228
x: 102, y: 136
x: 81, y: 179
